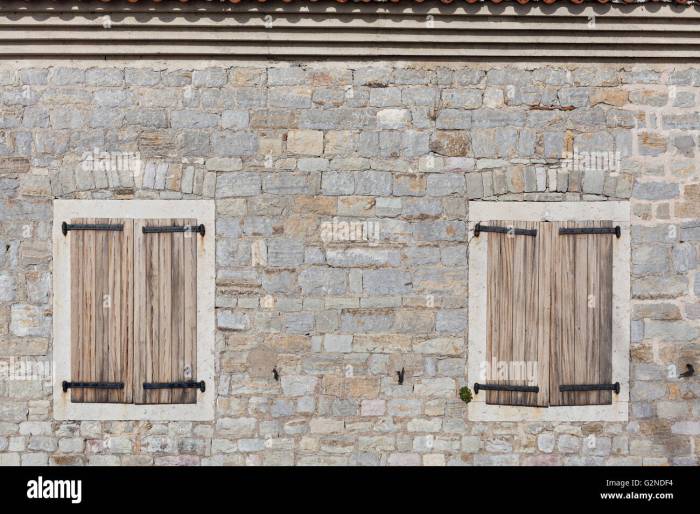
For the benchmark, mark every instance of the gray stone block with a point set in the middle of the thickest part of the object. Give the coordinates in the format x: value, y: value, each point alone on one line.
x: 323, y: 281
x: 655, y: 191
x: 64, y: 76
x: 193, y: 119
x: 284, y: 252
x: 141, y: 77
x: 386, y: 282
x: 210, y: 77
x: 238, y: 184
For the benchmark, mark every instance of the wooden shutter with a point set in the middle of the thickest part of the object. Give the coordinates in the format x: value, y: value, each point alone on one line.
x: 518, y: 313
x: 101, y: 313
x: 581, y: 347
x: 165, y: 303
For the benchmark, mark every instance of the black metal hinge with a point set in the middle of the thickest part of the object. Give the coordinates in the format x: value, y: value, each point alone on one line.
x: 175, y: 385
x: 170, y: 229
x: 65, y: 227
x: 590, y: 387
x: 478, y: 228
x: 591, y: 230
x: 91, y: 385
x: 505, y: 387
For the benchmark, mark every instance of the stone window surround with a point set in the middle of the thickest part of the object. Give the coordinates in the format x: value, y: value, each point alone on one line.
x: 204, y: 212
x: 619, y: 213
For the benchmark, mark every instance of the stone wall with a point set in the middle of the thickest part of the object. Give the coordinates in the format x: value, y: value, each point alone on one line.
x: 342, y: 193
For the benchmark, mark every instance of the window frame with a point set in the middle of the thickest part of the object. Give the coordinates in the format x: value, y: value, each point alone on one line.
x: 204, y: 212
x: 619, y: 213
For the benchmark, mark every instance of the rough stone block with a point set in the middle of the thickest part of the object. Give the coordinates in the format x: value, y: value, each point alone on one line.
x: 29, y: 320
x: 305, y: 142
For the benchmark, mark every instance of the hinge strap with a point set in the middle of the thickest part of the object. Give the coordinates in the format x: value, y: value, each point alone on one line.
x: 65, y: 227
x: 505, y: 387
x: 478, y: 228
x: 170, y: 229
x: 590, y: 387
x: 591, y: 230
x: 175, y: 385
x: 91, y: 385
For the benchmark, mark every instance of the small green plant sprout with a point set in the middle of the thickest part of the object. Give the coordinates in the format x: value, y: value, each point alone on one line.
x: 465, y: 394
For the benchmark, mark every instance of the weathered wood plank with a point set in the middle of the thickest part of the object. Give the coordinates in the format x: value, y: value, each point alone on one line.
x: 177, y: 311
x: 519, y: 302
x: 532, y: 292
x: 124, y: 284
x: 141, y: 313
x: 506, y: 296
x: 88, y: 312
x: 581, y: 311
x: 115, y: 311
x: 592, y: 344
x: 164, y: 363
x: 544, y: 259
x: 493, y: 261
x: 555, y: 325
x: 150, y: 347
x: 77, y: 293
x: 605, y: 277
x: 103, y: 306
x: 189, y: 363
x: 563, y: 352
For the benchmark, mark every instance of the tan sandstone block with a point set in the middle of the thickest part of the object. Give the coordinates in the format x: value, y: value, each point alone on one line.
x: 305, y: 142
